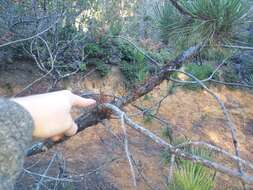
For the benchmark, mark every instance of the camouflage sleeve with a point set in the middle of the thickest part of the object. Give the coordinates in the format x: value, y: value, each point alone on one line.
x: 16, y: 126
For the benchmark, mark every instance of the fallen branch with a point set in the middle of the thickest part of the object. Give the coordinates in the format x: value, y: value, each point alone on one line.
x: 228, y: 119
x: 178, y: 152
x: 96, y: 115
x: 102, y: 111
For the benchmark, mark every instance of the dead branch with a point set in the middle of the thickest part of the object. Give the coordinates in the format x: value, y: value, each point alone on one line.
x: 96, y: 115
x: 101, y: 112
x: 52, y: 61
x: 178, y: 152
x: 228, y: 119
x: 29, y: 38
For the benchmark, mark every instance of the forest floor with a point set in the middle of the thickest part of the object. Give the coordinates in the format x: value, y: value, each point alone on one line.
x: 96, y: 157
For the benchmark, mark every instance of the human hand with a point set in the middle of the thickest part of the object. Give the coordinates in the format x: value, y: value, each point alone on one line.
x: 51, y: 113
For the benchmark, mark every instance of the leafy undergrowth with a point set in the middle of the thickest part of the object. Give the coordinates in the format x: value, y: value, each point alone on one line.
x: 201, y: 72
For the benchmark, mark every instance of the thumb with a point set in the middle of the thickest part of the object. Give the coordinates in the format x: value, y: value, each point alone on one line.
x: 82, y: 102
x: 72, y: 130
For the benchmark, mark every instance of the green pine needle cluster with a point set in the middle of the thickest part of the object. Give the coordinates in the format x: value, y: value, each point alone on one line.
x: 209, y: 21
x: 193, y: 176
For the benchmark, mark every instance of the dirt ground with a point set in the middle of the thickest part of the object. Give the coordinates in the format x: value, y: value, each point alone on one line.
x: 95, y: 158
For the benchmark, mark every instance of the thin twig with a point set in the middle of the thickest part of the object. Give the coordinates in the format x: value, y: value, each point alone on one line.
x: 128, y: 154
x: 238, y: 47
x: 29, y: 38
x: 46, y: 171
x: 172, y: 164
x: 51, y: 69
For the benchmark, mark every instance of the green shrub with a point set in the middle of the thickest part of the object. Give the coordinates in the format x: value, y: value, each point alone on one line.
x: 165, y: 156
x: 133, y: 66
x: 93, y: 50
x: 102, y: 68
x: 216, y: 54
x: 163, y: 56
x: 148, y: 117
x: 229, y: 74
x: 67, y: 32
x: 167, y: 132
x: 133, y: 72
x: 68, y: 186
x: 127, y: 51
x: 250, y: 79
x: 115, y: 28
x: 82, y: 67
x: 247, y: 68
x: 201, y: 72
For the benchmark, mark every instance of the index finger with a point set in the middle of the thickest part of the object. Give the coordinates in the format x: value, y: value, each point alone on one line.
x: 79, y: 101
